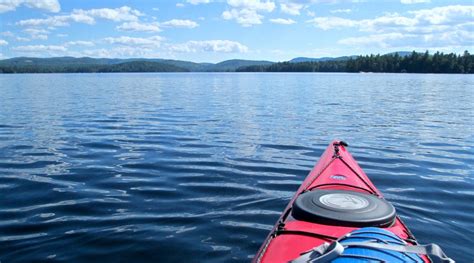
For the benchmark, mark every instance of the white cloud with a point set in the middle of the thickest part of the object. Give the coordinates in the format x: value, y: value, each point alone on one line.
x: 180, y: 23
x: 459, y: 40
x: 179, y: 5
x: 291, y: 8
x: 381, y: 40
x: 153, y: 41
x: 344, y: 11
x: 197, y: 2
x: 259, y: 5
x: 22, y: 39
x: 282, y: 21
x: 389, y: 21
x: 137, y: 26
x: 326, y: 23
x: 7, y: 34
x: 48, y: 5
x: 101, y: 53
x: 53, y: 21
x: 80, y: 43
x: 123, y: 13
x: 119, y: 52
x: 310, y: 13
x: 222, y: 46
x: 451, y: 38
x: 445, y: 15
x: 3, y: 42
x: 120, y: 14
x: 62, y: 35
x: 246, y: 12
x: 40, y: 48
x: 245, y: 17
x: 35, y: 31
x: 408, y: 2
x: 433, y: 18
x: 39, y: 37
x: 435, y: 28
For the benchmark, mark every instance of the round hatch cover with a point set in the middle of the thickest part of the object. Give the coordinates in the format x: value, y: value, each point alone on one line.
x: 345, y: 208
x: 345, y: 201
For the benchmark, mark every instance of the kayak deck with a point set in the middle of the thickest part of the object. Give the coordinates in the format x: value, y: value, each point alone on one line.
x: 336, y: 170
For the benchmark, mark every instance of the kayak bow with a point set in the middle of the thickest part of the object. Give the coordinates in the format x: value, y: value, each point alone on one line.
x: 335, y: 199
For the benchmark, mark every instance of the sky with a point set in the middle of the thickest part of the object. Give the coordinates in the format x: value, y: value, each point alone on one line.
x: 217, y: 30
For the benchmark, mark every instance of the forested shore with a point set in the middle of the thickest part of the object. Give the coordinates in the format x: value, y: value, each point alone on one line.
x: 134, y: 66
x: 391, y: 63
x: 405, y: 62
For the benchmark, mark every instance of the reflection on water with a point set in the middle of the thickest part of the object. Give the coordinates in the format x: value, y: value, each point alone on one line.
x: 179, y: 167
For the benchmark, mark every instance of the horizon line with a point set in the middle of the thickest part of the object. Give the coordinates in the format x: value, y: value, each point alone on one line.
x: 206, y: 62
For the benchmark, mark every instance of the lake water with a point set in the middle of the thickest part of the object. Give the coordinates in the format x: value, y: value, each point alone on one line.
x: 198, y: 167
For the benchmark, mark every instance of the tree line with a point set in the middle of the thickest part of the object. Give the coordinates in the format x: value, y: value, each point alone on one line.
x: 134, y: 66
x: 413, y: 62
x: 394, y: 63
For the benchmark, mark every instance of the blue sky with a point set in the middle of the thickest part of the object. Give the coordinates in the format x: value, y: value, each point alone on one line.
x: 216, y: 30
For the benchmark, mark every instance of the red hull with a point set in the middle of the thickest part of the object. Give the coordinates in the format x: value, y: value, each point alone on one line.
x: 336, y: 171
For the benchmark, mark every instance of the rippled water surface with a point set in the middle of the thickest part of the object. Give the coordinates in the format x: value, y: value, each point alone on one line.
x: 198, y: 167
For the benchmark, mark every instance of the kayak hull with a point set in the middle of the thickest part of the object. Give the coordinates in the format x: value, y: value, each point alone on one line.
x: 336, y: 170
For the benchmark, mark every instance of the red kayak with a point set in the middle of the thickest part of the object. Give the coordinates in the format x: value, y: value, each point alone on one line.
x: 337, y: 201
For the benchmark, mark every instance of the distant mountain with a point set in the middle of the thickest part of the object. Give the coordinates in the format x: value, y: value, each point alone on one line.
x: 141, y: 66
x: 24, y: 61
x: 190, y: 66
x: 28, y: 61
x: 323, y: 59
x: 305, y: 59
x: 401, y: 53
x: 87, y: 64
x: 233, y: 64
x: 343, y: 58
x: 72, y: 63
x: 84, y: 66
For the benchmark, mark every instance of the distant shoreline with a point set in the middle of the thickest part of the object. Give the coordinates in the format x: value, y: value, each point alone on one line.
x: 228, y: 72
x: 399, y: 62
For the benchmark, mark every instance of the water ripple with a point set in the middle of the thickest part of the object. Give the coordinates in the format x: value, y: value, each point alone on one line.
x: 179, y: 167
